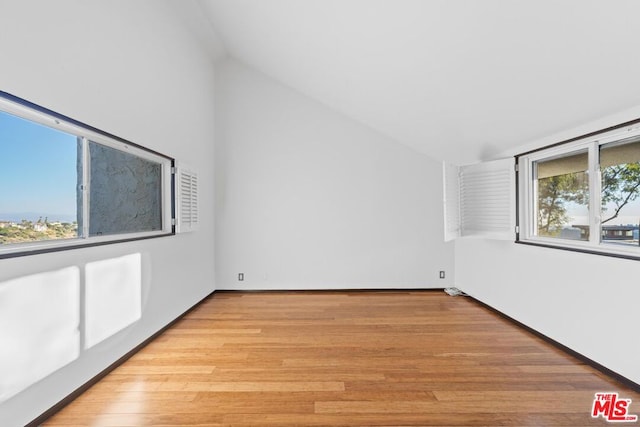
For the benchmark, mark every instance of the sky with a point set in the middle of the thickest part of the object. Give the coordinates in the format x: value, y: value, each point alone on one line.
x: 38, y: 174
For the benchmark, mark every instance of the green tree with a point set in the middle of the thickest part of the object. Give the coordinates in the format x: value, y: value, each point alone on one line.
x: 620, y: 186
x: 553, y: 193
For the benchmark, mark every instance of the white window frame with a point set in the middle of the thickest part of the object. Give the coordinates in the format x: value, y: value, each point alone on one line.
x: 526, y: 199
x: 34, y: 113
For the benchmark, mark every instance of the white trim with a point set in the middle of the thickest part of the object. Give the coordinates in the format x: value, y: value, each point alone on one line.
x: 86, y: 183
x: 595, y: 197
x: 451, y: 201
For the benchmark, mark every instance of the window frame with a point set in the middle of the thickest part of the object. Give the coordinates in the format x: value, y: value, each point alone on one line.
x: 525, y: 191
x: 27, y: 110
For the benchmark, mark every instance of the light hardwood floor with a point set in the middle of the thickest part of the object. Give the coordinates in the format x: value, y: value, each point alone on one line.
x: 344, y: 359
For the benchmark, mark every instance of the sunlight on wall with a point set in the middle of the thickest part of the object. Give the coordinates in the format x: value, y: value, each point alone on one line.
x: 113, y: 290
x: 39, y: 327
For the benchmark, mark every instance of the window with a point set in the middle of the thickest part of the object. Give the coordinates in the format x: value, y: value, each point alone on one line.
x: 583, y: 194
x: 561, y: 187
x: 65, y: 184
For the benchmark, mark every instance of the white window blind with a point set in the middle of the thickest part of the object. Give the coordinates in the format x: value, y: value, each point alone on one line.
x: 485, y: 202
x: 187, y: 186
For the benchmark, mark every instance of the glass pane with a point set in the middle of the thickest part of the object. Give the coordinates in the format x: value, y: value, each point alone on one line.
x: 38, y: 182
x: 125, y: 192
x: 562, y: 197
x: 620, y: 168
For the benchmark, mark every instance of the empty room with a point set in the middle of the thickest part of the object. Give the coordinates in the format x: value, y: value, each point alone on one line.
x: 319, y: 213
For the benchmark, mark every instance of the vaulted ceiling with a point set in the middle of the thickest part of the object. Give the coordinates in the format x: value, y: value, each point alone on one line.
x: 460, y: 80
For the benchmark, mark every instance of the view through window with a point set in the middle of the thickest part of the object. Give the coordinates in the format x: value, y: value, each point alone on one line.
x: 64, y: 183
x: 39, y: 182
x: 620, y: 171
x: 563, y: 197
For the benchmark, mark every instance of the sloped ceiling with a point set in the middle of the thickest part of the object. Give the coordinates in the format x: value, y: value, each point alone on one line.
x: 459, y: 80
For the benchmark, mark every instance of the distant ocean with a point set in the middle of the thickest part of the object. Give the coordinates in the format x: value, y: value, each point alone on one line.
x: 621, y: 220
x: 34, y: 216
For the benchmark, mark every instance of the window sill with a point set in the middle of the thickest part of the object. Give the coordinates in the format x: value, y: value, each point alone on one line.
x: 42, y: 247
x: 587, y: 249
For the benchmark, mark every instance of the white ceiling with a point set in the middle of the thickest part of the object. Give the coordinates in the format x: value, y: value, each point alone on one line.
x: 460, y: 80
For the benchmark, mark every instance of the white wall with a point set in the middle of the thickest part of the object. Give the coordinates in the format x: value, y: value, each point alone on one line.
x: 309, y: 199
x: 131, y: 69
x: 586, y: 302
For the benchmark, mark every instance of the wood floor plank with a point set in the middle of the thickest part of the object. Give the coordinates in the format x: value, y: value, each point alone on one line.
x: 344, y: 359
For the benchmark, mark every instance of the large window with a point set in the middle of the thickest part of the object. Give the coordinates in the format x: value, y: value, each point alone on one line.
x: 65, y: 184
x: 583, y: 194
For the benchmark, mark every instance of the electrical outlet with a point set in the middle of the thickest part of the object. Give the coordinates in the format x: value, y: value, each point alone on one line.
x: 240, y: 277
x: 442, y: 274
